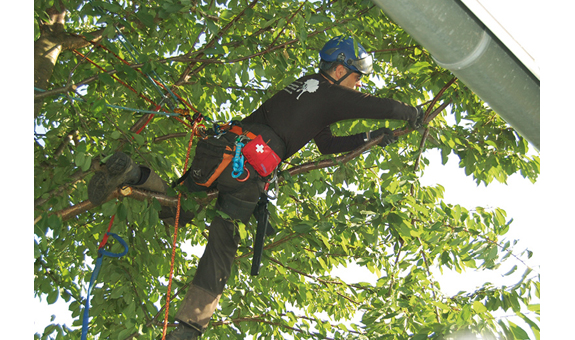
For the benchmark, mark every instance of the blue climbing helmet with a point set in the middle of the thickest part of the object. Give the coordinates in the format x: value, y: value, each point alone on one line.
x: 342, y: 50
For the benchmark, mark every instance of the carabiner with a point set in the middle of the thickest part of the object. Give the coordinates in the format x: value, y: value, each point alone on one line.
x: 247, y: 176
x: 238, y: 161
x: 272, y: 180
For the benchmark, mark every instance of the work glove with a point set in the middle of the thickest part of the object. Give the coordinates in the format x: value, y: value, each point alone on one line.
x: 388, y: 138
x: 417, y: 122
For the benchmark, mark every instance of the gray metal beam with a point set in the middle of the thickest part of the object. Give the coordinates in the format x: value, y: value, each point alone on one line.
x: 459, y: 42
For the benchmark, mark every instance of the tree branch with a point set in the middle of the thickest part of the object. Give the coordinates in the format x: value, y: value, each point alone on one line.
x: 169, y: 136
x: 171, y: 201
x: 186, y: 74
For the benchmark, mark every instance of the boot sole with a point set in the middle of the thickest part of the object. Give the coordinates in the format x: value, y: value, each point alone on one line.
x: 98, y: 188
x: 118, y: 163
x: 103, y: 183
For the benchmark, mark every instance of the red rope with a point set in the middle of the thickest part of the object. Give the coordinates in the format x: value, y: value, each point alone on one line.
x: 105, y: 239
x: 193, y: 128
x: 117, y: 79
x: 142, y: 73
x: 177, y: 221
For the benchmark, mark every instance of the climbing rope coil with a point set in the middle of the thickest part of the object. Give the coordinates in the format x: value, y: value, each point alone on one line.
x: 96, y: 271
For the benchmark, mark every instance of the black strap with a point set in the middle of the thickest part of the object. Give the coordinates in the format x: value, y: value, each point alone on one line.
x: 264, y: 228
x: 336, y: 82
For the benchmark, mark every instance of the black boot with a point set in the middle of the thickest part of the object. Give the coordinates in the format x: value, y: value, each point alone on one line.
x: 184, y: 332
x: 119, y: 169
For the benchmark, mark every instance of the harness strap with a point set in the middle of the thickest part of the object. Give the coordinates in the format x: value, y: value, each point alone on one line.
x: 336, y: 82
x: 236, y: 129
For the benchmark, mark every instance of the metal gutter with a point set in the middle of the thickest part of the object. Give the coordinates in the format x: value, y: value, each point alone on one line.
x: 461, y: 43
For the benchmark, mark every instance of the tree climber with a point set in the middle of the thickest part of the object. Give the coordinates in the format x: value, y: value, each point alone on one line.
x: 302, y: 111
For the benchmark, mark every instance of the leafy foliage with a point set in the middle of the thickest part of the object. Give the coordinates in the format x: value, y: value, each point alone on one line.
x: 226, y: 58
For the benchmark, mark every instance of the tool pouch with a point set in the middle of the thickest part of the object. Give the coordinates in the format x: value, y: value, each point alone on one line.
x: 213, y: 155
x: 260, y: 156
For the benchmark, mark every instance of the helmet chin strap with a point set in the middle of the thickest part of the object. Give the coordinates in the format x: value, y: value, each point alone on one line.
x: 336, y: 82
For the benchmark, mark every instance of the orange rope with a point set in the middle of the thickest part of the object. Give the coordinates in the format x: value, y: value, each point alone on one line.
x: 116, y: 78
x: 194, y: 133
x: 175, y: 236
x: 97, y: 44
x: 136, y: 92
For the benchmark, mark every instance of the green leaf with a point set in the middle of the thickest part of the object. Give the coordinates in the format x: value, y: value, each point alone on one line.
x: 511, y: 271
x: 172, y: 7
x: 302, y: 228
x: 440, y: 305
x: 98, y: 106
x: 534, y: 308
x: 79, y: 159
x: 534, y: 327
x: 106, y: 79
x: 318, y: 18
x: 139, y: 139
x: 87, y: 163
x: 518, y: 332
x: 145, y: 17
x: 419, y: 67
x: 479, y: 307
x: 121, y: 212
x: 52, y: 297
x: 227, y: 15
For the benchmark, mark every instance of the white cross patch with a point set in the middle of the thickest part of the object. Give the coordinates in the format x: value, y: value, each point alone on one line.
x: 259, y: 148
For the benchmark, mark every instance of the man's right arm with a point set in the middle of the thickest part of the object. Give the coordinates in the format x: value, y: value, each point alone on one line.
x: 327, y: 143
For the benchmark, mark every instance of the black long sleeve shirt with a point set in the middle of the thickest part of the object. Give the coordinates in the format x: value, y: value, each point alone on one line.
x: 305, y: 109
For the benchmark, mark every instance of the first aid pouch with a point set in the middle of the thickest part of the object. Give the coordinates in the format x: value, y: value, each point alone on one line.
x: 260, y: 156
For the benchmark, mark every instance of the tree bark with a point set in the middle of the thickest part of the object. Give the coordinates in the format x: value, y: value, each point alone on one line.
x: 53, y: 40
x: 47, y: 49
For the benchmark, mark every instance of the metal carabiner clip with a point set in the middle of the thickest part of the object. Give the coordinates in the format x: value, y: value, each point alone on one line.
x: 274, y: 179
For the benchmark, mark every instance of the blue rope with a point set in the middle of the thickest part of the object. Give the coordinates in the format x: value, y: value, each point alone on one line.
x: 238, y: 161
x: 101, y: 254
x: 130, y: 48
x: 116, y: 106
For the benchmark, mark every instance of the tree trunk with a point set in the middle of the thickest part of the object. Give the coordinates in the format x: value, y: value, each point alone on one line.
x: 47, y: 49
x: 53, y: 40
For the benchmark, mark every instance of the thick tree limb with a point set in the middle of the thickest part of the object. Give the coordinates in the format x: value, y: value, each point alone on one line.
x: 171, y: 201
